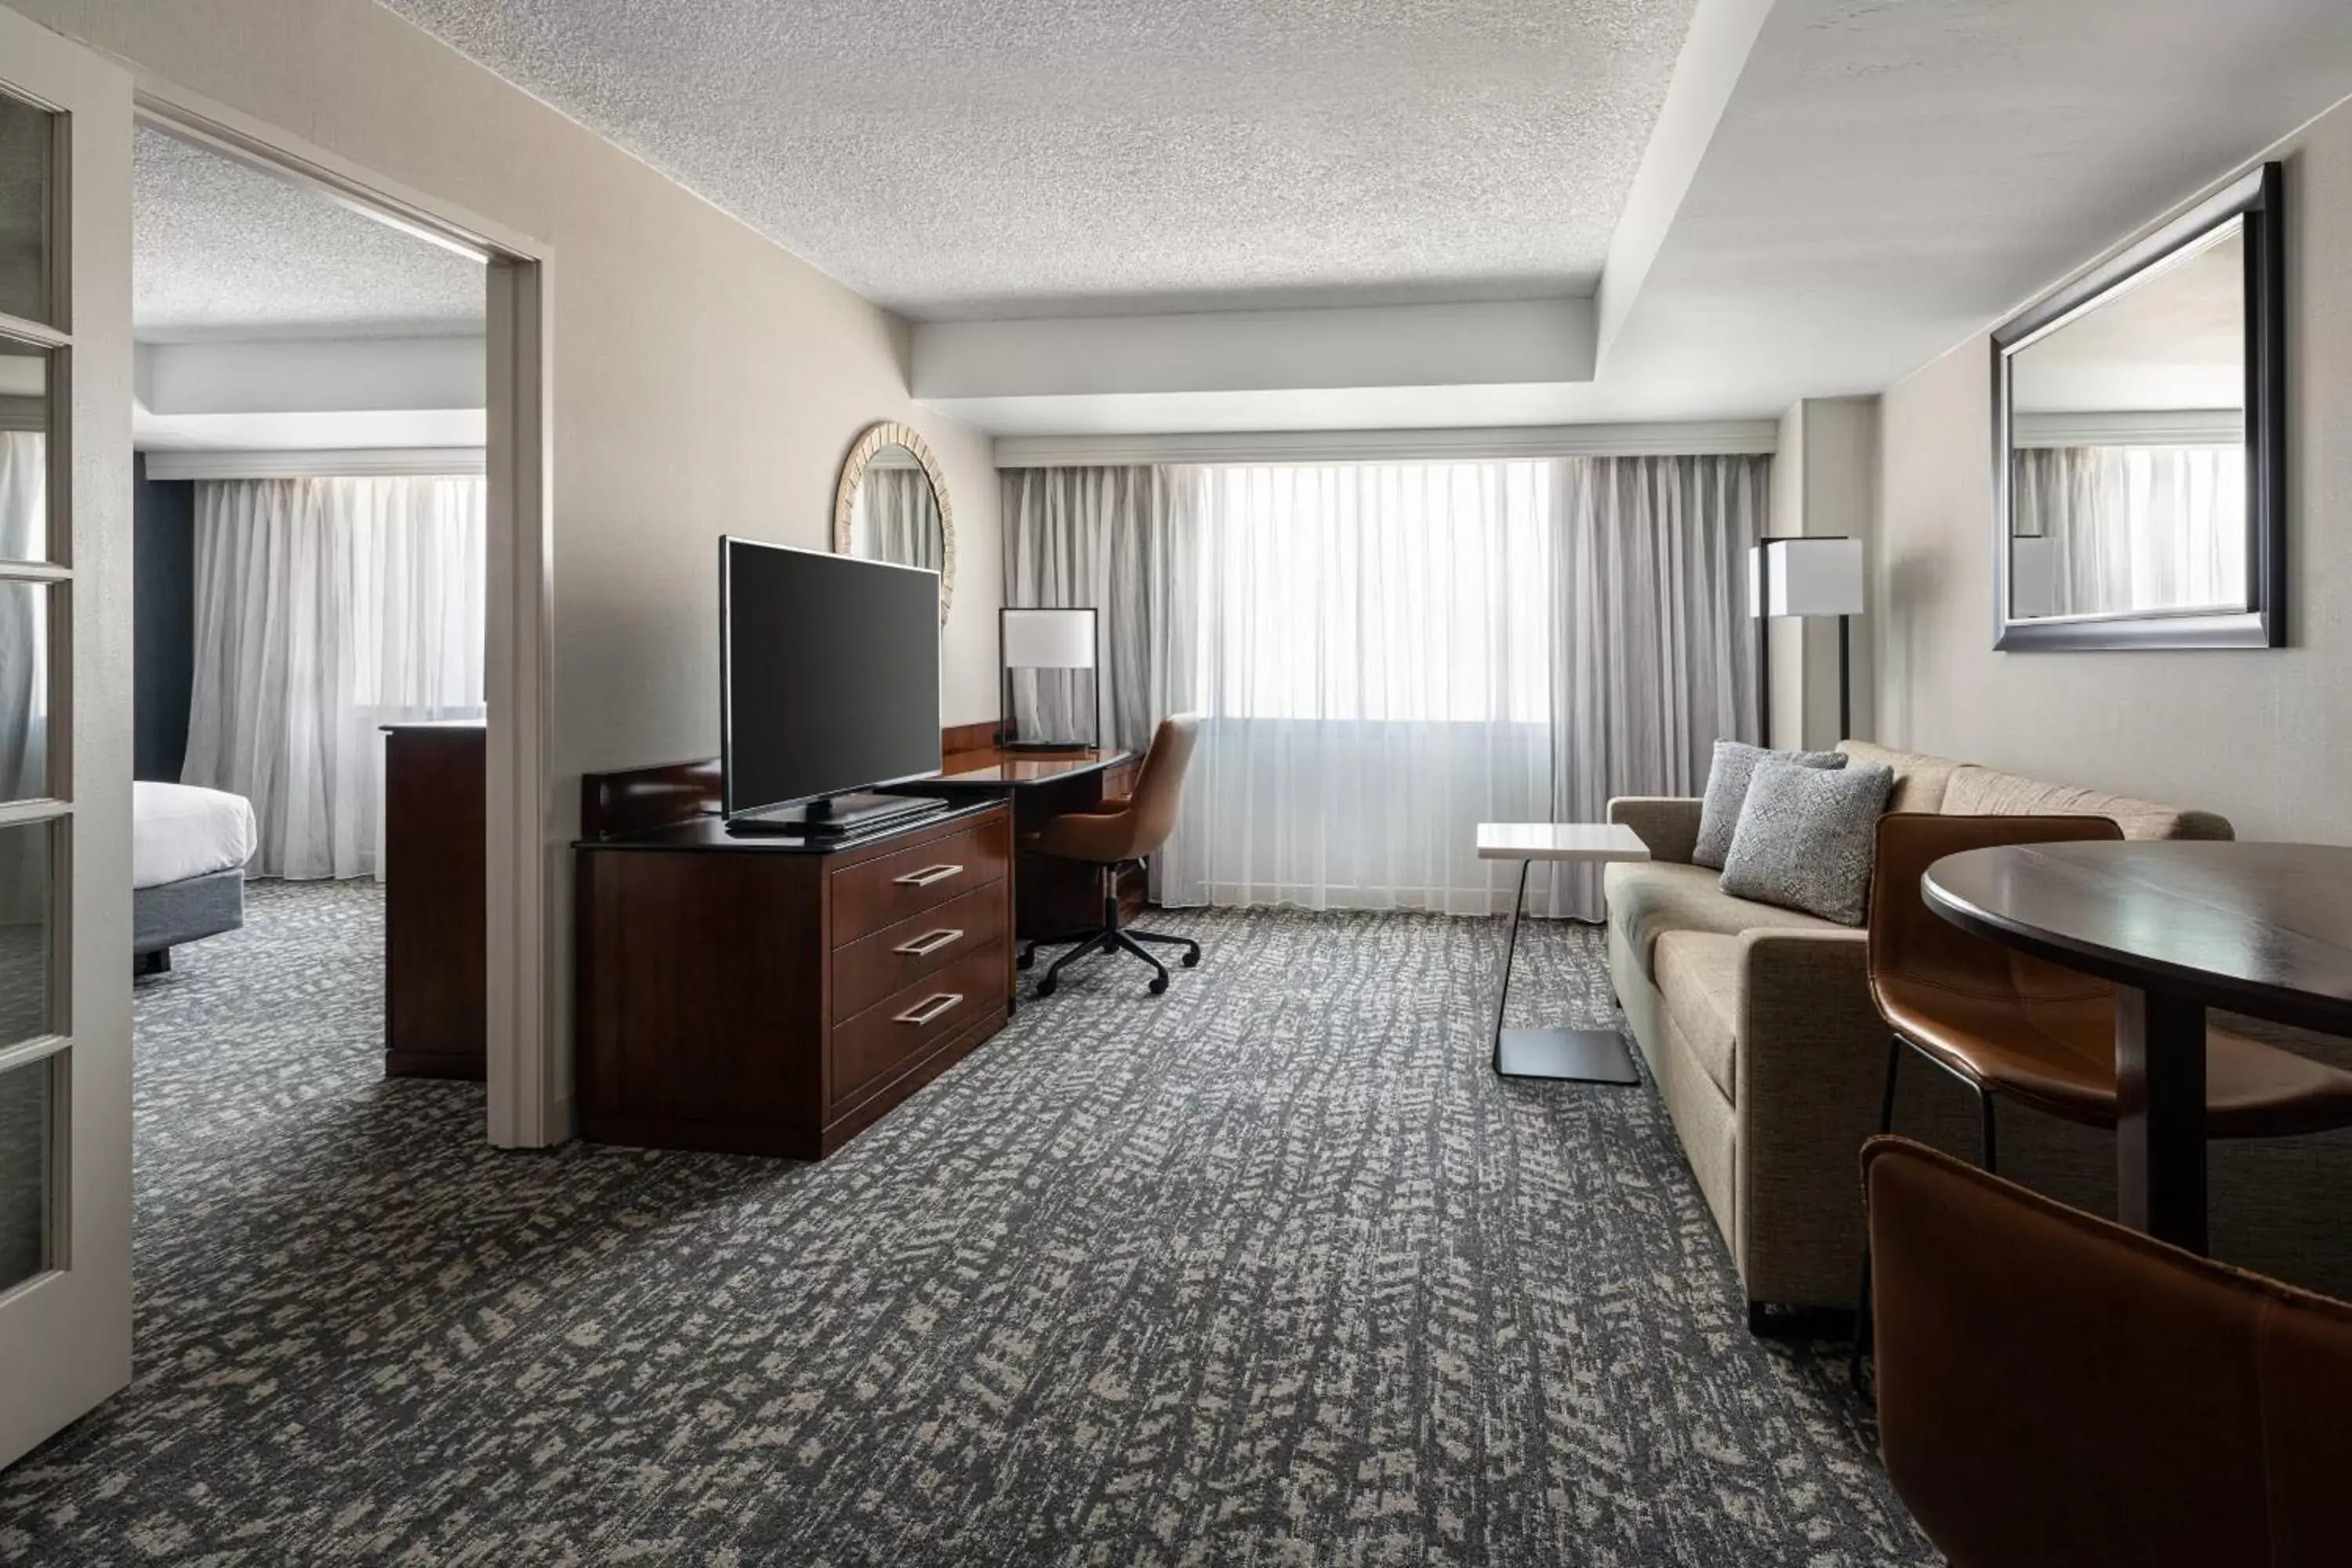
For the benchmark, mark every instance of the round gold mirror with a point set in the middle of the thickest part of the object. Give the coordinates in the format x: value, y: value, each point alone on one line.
x: 892, y: 506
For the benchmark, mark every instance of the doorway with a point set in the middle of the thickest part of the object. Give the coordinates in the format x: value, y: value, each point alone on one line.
x: 523, y: 1108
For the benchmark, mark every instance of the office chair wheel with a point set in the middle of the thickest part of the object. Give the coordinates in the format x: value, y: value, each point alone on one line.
x: 1193, y: 958
x: 1028, y: 957
x: 1046, y: 986
x: 1159, y: 986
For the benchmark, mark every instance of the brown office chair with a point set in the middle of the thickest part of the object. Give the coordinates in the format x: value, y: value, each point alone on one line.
x: 2055, y: 1389
x: 2003, y: 1023
x: 1122, y: 831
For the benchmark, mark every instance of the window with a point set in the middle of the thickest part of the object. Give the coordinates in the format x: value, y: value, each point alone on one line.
x: 1376, y: 593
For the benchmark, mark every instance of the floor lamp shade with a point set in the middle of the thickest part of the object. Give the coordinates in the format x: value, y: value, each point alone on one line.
x: 1806, y: 577
x: 1046, y: 639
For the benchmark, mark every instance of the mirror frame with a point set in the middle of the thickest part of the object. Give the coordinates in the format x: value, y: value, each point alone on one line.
x: 2257, y: 198
x: 890, y: 433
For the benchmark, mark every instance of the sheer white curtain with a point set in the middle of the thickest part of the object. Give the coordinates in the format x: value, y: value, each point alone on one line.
x: 24, y: 685
x: 325, y: 608
x: 1374, y: 664
x: 2130, y: 528
x: 24, y: 620
x: 24, y: 493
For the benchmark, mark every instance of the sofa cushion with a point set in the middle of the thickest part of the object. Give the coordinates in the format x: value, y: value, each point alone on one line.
x: 1700, y: 975
x: 1920, y: 780
x: 1648, y: 898
x: 1982, y: 791
x: 1805, y: 839
x: 1726, y: 792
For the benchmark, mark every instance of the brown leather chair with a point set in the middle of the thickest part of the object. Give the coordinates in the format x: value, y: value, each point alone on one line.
x: 2055, y: 1389
x: 1123, y: 830
x: 2006, y: 1024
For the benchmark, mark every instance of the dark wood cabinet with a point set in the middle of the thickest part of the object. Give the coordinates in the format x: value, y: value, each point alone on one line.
x: 760, y: 995
x: 435, y: 926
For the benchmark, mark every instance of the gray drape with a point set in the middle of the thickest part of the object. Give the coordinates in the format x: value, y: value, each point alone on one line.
x: 1653, y: 657
x: 1124, y: 542
x: 903, y: 518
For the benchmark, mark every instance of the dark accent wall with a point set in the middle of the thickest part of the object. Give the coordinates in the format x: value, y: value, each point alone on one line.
x: 163, y: 621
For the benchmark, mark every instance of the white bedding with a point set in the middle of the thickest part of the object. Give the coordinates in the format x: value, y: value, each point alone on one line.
x: 178, y: 831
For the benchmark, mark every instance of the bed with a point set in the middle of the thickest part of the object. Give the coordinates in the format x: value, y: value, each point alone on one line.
x: 188, y: 850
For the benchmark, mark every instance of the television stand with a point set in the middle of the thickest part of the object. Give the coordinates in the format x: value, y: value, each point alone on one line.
x: 835, y: 816
x: 767, y: 994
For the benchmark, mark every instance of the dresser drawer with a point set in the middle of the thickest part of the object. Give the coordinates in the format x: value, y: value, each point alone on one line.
x: 906, y: 1024
x: 882, y: 891
x: 873, y: 967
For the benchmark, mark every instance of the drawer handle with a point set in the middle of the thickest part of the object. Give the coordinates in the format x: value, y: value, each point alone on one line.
x: 929, y: 942
x: 933, y: 1008
x: 928, y: 875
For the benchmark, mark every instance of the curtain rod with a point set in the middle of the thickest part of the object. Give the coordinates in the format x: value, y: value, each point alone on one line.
x: 1694, y: 439
x: 345, y: 463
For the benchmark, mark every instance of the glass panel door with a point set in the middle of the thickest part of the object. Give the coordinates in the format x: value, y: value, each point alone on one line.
x: 65, y: 818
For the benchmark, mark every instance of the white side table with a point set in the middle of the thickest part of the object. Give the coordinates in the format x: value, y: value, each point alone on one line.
x: 1577, y: 1055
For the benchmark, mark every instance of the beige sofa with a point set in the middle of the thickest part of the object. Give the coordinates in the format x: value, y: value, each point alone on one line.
x: 1758, y: 1027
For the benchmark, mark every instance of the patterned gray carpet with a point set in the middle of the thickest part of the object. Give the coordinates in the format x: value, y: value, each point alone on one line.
x: 1271, y: 1271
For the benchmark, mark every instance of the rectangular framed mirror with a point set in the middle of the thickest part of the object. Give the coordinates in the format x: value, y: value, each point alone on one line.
x: 2139, y: 462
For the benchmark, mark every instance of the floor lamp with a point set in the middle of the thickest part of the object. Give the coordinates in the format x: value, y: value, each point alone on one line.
x: 1805, y: 577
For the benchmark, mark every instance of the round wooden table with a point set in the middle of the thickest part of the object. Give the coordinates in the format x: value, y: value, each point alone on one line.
x: 2260, y: 928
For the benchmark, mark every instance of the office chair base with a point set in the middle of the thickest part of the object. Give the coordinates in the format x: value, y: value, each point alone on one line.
x: 1110, y: 937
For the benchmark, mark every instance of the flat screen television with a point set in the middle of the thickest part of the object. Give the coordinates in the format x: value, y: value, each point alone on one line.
x: 829, y: 688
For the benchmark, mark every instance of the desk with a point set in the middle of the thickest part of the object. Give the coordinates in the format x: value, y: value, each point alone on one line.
x: 1050, y: 896
x: 436, y: 892
x: 2178, y: 927
x: 1575, y: 1055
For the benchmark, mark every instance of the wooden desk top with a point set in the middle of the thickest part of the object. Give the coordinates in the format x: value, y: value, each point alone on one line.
x: 711, y: 834
x: 2264, y: 928
x: 999, y: 768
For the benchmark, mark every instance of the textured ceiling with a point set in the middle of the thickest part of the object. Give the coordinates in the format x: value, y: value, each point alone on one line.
x: 220, y: 251
x: 958, y: 158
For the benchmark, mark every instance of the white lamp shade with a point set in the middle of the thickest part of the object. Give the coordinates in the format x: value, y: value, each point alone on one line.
x: 1810, y: 576
x: 1049, y: 639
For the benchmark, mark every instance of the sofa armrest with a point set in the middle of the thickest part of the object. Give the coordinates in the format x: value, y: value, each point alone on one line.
x: 1811, y: 1069
x: 1667, y: 824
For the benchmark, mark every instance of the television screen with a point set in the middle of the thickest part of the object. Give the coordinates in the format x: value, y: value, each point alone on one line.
x: 829, y: 674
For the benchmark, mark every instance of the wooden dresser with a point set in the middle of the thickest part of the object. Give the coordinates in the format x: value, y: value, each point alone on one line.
x: 436, y: 880
x: 760, y: 995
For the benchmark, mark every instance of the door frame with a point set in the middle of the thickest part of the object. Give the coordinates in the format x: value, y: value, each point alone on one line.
x: 522, y: 857
x: 66, y: 1331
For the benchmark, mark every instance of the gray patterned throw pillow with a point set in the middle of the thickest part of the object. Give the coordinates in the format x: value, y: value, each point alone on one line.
x: 1726, y: 790
x: 1805, y: 838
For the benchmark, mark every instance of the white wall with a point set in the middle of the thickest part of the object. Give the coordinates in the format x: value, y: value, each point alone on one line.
x: 705, y: 380
x: 1784, y: 710
x: 1840, y: 500
x: 2264, y: 737
x: 1824, y: 484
